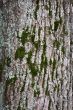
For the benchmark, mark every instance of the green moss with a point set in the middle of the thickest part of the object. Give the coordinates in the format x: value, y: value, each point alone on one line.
x: 19, y: 108
x: 37, y: 44
x: 53, y: 68
x: 35, y: 12
x: 32, y: 38
x: 34, y: 28
x: 46, y: 7
x: 22, y: 89
x: 50, y: 62
x: 49, y: 105
x: 47, y: 92
x: 1, y: 67
x: 71, y: 42
x: 18, y: 35
x: 25, y: 36
x: 19, y: 53
x: 37, y: 2
x: 56, y: 8
x: 55, y: 88
x: 33, y: 69
x: 36, y: 9
x: 32, y: 66
x: 44, y: 62
x: 57, y: 23
x: 33, y: 35
x: 56, y: 44
x: 58, y: 88
x: 33, y: 83
x: 39, y: 30
x: 49, y: 31
x: 50, y: 11
x: 29, y: 57
x: 63, y: 49
x: 54, y: 64
x: 8, y: 61
x: 36, y: 93
x: 44, y: 47
x: 11, y: 81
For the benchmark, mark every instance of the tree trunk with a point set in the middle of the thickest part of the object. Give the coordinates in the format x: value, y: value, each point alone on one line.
x: 36, y: 59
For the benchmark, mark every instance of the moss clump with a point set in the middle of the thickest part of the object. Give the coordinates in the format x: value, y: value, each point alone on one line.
x: 49, y: 105
x: 47, y: 92
x: 56, y: 44
x: 44, y: 47
x: 8, y: 61
x: 25, y: 36
x: 55, y: 88
x: 71, y: 42
x: 33, y: 83
x: 19, y: 53
x: 36, y: 93
x: 1, y: 67
x: 33, y: 35
x: 50, y: 11
x: 22, y: 89
x: 29, y: 57
x: 36, y: 9
x: 57, y: 23
x: 33, y: 69
x: 54, y: 64
x: 32, y: 66
x: 37, y: 44
x: 46, y: 7
x: 39, y: 30
x: 11, y: 81
x: 50, y: 62
x: 19, y: 108
x: 44, y: 62
x: 32, y: 38
x: 63, y: 49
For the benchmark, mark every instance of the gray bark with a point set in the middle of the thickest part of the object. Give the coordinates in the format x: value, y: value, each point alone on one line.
x: 36, y: 68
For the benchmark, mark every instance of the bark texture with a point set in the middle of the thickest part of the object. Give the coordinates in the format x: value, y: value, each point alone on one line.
x: 36, y: 54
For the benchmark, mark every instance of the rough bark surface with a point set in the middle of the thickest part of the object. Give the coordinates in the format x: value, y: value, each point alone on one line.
x: 36, y: 54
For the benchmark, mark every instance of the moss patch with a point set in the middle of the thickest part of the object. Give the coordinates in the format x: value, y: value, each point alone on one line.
x: 54, y: 64
x: 50, y: 62
x: 56, y: 44
x: 63, y: 50
x: 25, y: 36
x: 8, y: 61
x: 33, y: 69
x: 19, y: 53
x: 36, y: 9
x: 43, y: 61
x: 11, y: 81
x: 57, y: 23
x: 36, y: 93
x: 32, y: 66
x: 46, y: 7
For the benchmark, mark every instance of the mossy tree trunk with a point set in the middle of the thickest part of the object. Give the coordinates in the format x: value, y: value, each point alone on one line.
x: 36, y: 45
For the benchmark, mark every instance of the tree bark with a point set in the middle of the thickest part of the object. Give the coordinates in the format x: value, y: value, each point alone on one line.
x: 36, y: 54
